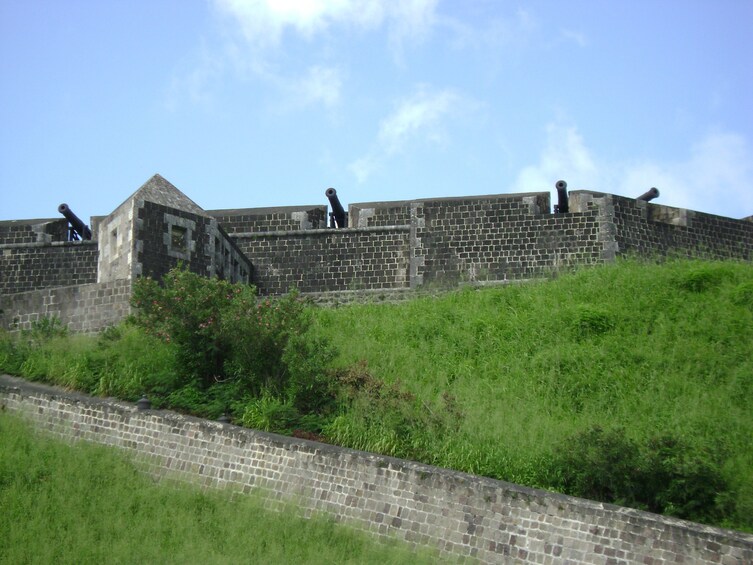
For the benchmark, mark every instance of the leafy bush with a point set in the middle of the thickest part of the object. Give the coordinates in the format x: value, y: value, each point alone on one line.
x: 663, y: 475
x: 190, y: 311
x: 231, y: 347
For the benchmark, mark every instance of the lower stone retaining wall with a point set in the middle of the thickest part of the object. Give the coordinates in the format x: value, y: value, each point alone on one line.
x: 463, y: 517
x: 85, y: 308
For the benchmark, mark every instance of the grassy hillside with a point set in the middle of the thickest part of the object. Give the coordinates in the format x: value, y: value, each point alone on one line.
x: 88, y: 504
x: 660, y: 356
x: 627, y: 383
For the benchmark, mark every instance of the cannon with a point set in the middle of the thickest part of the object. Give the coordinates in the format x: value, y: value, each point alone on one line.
x: 338, y: 218
x: 562, y: 206
x: 76, y: 229
x: 649, y: 195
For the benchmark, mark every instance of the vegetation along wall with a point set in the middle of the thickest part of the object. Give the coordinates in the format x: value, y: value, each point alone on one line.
x: 459, y: 515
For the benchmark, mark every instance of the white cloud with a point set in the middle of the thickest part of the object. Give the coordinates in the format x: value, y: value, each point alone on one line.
x: 565, y: 156
x: 417, y: 118
x: 319, y: 85
x: 717, y: 174
x: 195, y: 85
x: 509, y: 34
x: 263, y: 22
x: 714, y: 178
x: 575, y: 36
x: 418, y: 115
x: 254, y: 33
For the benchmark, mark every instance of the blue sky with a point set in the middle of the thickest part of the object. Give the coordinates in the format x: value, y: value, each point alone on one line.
x: 253, y: 103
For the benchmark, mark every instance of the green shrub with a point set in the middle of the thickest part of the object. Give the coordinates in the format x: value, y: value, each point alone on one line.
x: 190, y: 311
x: 385, y: 418
x: 600, y: 465
x: 231, y: 347
x: 310, y: 387
x: 681, y: 481
x: 703, y: 276
x: 271, y: 414
x: 664, y: 475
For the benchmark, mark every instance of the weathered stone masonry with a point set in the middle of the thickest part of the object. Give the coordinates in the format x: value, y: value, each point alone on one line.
x: 462, y: 517
x: 328, y: 260
x: 389, y: 248
x: 29, y: 266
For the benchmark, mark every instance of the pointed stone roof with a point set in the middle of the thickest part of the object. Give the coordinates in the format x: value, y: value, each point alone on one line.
x: 160, y: 191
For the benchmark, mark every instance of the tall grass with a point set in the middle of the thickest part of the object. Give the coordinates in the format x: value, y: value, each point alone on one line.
x: 651, y: 350
x: 651, y: 362
x: 89, y: 504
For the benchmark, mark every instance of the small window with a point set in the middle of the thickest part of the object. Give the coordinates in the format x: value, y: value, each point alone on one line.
x: 178, y: 239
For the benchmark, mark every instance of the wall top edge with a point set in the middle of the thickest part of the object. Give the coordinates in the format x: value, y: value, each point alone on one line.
x: 657, y: 205
x: 30, y: 222
x: 84, y: 242
x: 265, y: 210
x: 320, y: 232
x: 77, y: 287
x: 399, y: 203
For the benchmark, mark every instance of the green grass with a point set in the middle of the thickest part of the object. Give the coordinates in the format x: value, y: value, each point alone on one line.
x: 85, y: 504
x: 655, y: 361
x: 653, y: 350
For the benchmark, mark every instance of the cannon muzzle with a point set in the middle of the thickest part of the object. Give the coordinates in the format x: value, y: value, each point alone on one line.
x: 338, y: 218
x: 649, y: 195
x: 77, y: 229
x: 562, y: 206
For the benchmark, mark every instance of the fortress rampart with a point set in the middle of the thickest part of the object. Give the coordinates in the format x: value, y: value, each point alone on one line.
x: 387, y: 246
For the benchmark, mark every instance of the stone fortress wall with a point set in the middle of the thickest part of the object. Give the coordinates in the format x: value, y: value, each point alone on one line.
x: 462, y: 517
x: 388, y: 247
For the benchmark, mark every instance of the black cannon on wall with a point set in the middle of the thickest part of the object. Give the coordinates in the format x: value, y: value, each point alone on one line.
x: 76, y: 229
x: 338, y: 218
x: 562, y: 206
x: 649, y: 195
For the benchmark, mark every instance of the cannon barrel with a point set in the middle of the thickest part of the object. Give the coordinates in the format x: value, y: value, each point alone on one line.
x: 562, y: 206
x: 337, y: 217
x: 649, y: 195
x: 78, y: 229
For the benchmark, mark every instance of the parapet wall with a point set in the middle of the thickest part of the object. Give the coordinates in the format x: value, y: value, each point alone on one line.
x: 500, y: 238
x: 328, y: 260
x: 32, y: 266
x: 33, y: 231
x: 461, y: 516
x: 282, y: 218
x: 435, y: 243
x: 642, y: 228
